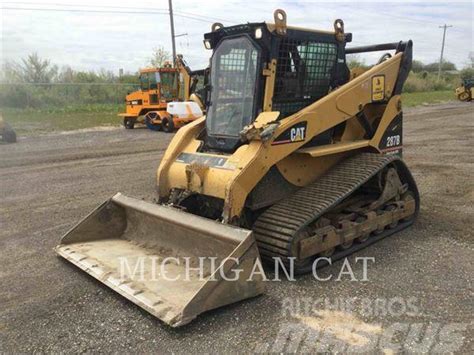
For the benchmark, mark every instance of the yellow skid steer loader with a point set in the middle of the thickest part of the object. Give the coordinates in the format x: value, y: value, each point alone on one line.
x: 296, y: 159
x: 464, y: 92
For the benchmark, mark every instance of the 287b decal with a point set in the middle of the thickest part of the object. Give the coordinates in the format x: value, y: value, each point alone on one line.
x: 393, y: 141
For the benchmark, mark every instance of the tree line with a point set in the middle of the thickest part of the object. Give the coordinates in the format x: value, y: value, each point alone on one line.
x: 35, y: 70
x: 35, y: 82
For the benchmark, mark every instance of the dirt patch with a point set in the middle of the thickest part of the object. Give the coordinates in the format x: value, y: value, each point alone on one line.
x: 49, y: 182
x: 344, y: 326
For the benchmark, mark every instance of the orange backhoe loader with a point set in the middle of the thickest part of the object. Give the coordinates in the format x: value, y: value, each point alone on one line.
x: 160, y: 86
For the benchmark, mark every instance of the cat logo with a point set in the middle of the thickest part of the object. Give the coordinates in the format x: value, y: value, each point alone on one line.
x: 297, y: 134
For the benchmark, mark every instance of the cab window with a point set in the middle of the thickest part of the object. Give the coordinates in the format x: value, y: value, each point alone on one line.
x: 303, y: 75
x: 154, y: 79
x: 144, y: 84
x: 169, y: 85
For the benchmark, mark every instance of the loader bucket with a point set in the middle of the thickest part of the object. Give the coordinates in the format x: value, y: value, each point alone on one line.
x: 173, y: 264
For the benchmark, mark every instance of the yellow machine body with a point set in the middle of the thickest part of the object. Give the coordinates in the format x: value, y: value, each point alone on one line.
x: 465, y: 91
x: 245, y: 167
x: 296, y: 159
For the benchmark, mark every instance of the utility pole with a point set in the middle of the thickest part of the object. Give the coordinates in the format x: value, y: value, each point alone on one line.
x: 445, y: 27
x: 173, y: 43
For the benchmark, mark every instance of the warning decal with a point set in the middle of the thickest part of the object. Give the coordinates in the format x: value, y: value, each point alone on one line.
x: 378, y: 88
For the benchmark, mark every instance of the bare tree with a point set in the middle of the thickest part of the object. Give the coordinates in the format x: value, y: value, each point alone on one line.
x: 33, y: 69
x: 159, y: 57
x: 355, y: 61
x: 9, y: 73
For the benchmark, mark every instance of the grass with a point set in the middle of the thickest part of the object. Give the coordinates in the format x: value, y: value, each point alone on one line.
x: 27, y: 121
x: 31, y: 121
x: 430, y: 97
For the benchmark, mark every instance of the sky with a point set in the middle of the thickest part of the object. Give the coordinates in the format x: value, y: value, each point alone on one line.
x: 107, y: 34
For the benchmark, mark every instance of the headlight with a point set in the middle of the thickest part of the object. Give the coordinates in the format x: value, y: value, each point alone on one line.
x: 258, y: 33
x: 207, y: 44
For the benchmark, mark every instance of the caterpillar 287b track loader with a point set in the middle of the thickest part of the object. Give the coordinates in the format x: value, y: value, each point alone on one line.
x: 296, y: 159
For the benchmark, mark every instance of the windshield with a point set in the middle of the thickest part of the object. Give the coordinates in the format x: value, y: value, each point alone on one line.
x: 197, y: 84
x: 144, y: 83
x: 149, y: 81
x: 233, y: 77
x: 169, y: 85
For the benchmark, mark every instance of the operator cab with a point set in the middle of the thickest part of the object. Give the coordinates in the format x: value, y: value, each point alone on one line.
x: 199, y: 84
x: 165, y: 79
x: 264, y: 67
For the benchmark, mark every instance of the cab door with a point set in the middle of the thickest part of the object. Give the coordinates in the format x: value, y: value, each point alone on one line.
x: 154, y: 80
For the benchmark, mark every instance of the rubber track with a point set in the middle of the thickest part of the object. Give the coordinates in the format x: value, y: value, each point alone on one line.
x: 279, y: 224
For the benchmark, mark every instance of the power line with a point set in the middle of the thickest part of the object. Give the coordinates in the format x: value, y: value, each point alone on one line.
x: 74, y: 5
x: 178, y: 13
x: 402, y: 18
x: 209, y: 17
x: 79, y: 5
x: 410, y: 19
x: 83, y: 10
x: 149, y: 12
x: 139, y: 9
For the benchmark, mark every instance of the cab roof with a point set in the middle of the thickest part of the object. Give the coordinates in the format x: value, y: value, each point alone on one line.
x: 159, y: 70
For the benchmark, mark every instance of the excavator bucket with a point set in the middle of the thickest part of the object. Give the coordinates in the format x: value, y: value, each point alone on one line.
x: 173, y: 264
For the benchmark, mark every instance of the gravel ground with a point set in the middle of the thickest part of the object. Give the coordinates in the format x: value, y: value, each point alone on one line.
x: 418, y: 297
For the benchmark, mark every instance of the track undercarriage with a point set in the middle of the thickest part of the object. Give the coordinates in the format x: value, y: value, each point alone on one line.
x: 363, y: 199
